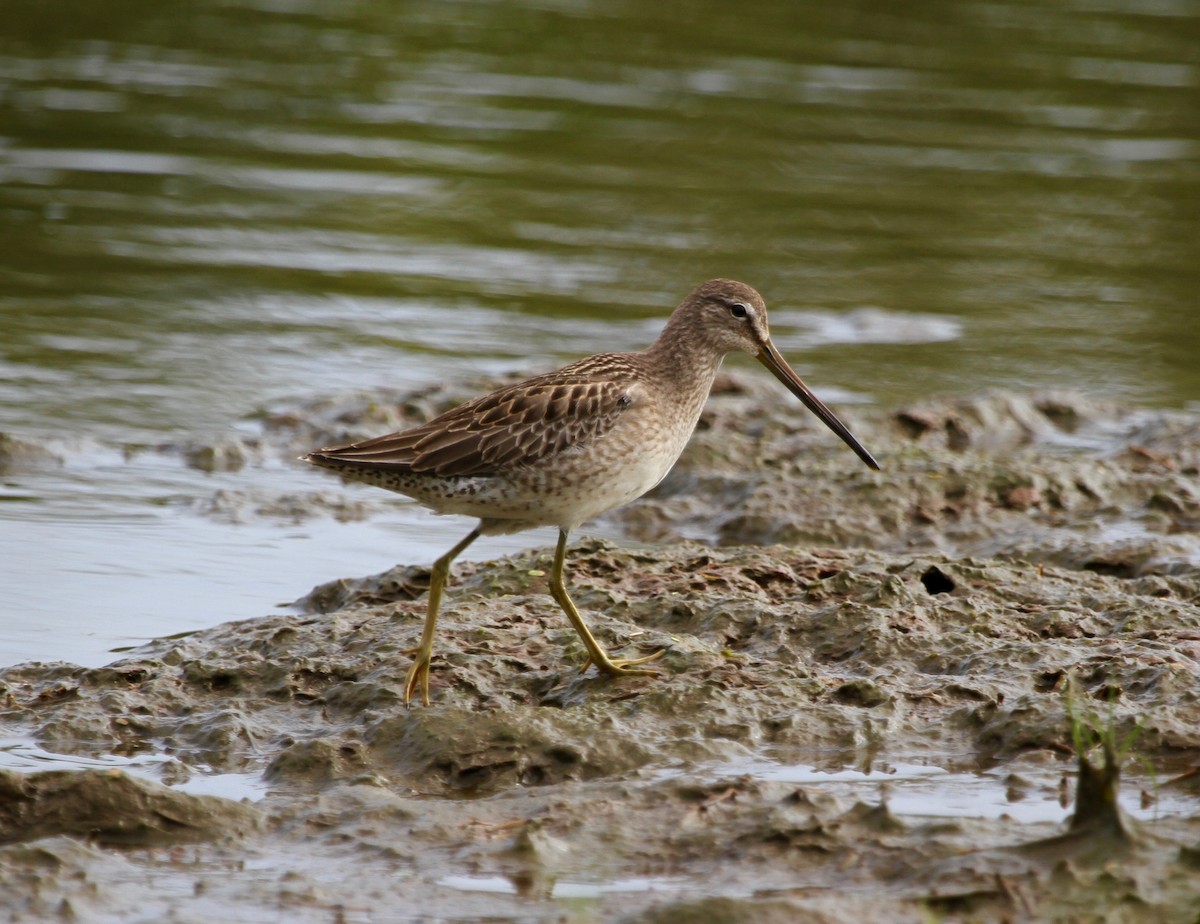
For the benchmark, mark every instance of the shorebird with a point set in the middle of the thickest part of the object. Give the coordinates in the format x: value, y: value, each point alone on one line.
x: 563, y: 447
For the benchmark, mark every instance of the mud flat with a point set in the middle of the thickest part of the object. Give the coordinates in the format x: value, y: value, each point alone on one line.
x: 862, y: 711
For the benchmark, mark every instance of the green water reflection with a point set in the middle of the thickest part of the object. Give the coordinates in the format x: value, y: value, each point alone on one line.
x: 188, y: 186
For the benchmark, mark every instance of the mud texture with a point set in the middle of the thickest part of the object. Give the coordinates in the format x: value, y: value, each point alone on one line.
x: 112, y: 807
x: 1018, y: 557
x: 18, y: 455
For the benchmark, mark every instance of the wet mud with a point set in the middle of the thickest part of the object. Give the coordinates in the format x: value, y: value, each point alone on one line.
x: 1017, y: 592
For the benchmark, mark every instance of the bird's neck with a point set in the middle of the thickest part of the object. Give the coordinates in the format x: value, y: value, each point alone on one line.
x: 685, y: 360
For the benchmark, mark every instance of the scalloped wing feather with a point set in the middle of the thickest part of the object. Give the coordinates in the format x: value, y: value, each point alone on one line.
x: 514, y: 426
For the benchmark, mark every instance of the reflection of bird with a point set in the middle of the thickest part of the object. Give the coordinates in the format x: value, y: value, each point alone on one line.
x: 560, y: 448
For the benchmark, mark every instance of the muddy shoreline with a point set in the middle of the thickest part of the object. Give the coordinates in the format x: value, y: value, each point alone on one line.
x: 812, y: 612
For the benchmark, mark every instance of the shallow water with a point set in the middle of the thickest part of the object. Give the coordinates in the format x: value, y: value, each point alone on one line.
x: 25, y: 756
x: 1027, y: 796
x: 212, y: 211
x: 571, y: 889
x: 1035, y: 798
x: 926, y: 790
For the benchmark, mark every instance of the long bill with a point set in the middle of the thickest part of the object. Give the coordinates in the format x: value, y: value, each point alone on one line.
x: 769, y: 357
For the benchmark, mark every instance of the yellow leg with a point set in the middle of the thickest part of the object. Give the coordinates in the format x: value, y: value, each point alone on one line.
x: 418, y: 674
x: 596, y: 654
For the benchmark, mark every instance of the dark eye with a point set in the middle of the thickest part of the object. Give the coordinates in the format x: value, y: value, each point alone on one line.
x: 738, y: 311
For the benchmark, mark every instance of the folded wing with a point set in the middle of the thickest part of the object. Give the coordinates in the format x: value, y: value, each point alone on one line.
x: 515, y: 426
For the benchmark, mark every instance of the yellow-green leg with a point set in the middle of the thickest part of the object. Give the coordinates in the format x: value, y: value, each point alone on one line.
x: 418, y: 674
x: 596, y: 654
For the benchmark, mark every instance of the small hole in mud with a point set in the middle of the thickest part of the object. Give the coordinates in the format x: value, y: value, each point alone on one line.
x: 1109, y: 693
x: 563, y: 756
x: 861, y: 693
x: 958, y: 437
x: 534, y: 776
x: 936, y: 581
x: 914, y: 425
x: 1061, y: 415
x: 471, y: 777
x: 1116, y: 569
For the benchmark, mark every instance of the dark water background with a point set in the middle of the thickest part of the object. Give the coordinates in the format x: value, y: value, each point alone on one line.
x: 208, y: 210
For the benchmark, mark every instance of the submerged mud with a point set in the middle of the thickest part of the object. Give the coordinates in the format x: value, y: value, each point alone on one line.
x: 1020, y: 560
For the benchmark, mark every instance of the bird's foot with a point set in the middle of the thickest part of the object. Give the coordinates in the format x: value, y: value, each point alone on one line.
x: 418, y: 676
x: 615, y: 666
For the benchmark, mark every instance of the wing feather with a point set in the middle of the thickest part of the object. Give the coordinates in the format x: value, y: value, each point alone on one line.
x: 514, y: 426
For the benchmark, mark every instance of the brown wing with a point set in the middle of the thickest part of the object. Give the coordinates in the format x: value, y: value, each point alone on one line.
x: 517, y: 425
